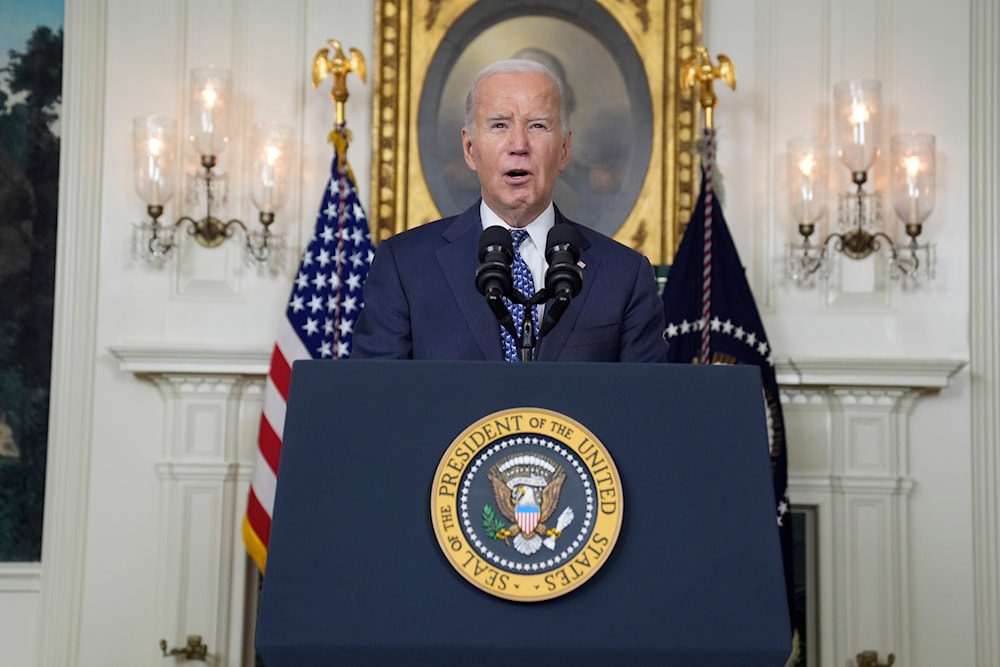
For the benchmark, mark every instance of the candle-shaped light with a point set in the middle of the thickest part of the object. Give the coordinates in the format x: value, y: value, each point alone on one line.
x: 155, y: 172
x: 913, y: 176
x: 856, y: 116
x: 807, y: 178
x: 209, y: 97
x: 271, y: 155
x: 208, y: 109
x: 154, y: 141
x: 269, y: 169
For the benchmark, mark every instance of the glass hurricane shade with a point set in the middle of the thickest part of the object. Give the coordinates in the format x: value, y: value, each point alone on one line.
x: 210, y: 95
x: 856, y: 106
x: 154, y: 142
x: 807, y: 165
x: 272, y: 156
x: 912, y: 181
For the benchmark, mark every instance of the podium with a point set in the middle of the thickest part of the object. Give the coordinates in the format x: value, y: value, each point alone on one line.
x: 355, y: 575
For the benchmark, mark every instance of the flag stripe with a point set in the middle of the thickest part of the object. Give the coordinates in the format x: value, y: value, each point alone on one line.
x: 319, y: 318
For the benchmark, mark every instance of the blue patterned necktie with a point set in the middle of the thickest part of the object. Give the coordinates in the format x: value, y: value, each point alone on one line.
x: 525, y: 284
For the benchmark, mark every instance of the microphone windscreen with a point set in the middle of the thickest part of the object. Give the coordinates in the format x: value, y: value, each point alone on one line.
x: 493, y: 237
x: 565, y: 236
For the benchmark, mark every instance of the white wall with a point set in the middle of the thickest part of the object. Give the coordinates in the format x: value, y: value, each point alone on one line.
x: 101, y: 566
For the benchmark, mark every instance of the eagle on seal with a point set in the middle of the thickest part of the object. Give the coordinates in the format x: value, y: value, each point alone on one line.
x: 527, y: 490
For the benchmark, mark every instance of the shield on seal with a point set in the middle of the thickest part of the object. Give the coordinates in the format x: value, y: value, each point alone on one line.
x: 527, y: 517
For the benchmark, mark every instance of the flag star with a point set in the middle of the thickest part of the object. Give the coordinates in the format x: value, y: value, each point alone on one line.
x: 339, y: 257
x: 311, y: 326
x: 762, y: 348
x: 371, y: 256
x: 672, y: 330
x: 307, y: 258
x: 716, y: 324
x: 739, y: 333
x: 302, y: 280
x: 343, y: 349
x: 685, y: 327
x: 334, y: 281
x: 331, y: 211
x: 350, y: 304
x: 297, y: 304
x: 356, y: 260
x: 325, y: 349
x: 354, y: 281
x: 315, y: 303
x: 320, y: 281
x: 358, y: 236
x: 327, y: 234
x: 328, y: 326
x: 346, y: 327
x: 324, y: 257
x: 358, y: 214
x: 344, y: 234
x: 751, y: 339
x: 727, y: 327
x: 331, y: 302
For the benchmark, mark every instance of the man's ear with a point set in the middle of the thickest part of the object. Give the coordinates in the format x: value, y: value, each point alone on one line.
x: 470, y: 160
x: 567, y: 144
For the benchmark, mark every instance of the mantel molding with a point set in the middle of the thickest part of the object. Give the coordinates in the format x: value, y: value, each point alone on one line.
x: 929, y: 374
x: 187, y: 359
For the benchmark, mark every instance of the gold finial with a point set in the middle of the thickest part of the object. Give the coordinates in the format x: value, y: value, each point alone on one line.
x: 339, y: 66
x: 699, y: 69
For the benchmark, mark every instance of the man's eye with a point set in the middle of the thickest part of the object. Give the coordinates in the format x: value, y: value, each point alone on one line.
x: 498, y: 126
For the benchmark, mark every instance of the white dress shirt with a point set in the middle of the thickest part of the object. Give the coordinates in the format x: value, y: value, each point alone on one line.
x: 532, y: 248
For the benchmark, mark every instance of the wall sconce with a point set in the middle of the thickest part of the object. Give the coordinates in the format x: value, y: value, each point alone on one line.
x: 155, y: 145
x: 857, y: 106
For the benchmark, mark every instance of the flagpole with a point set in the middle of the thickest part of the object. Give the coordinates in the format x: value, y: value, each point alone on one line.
x: 698, y: 71
x: 338, y: 65
x: 324, y: 303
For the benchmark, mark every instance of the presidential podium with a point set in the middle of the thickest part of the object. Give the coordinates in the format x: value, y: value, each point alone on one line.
x: 355, y: 574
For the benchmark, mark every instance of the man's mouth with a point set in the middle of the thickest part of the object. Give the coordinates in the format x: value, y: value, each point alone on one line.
x: 517, y: 174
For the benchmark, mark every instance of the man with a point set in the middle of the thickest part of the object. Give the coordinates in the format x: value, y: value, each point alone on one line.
x: 421, y: 299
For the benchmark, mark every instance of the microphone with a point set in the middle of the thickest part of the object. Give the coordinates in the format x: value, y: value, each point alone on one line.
x: 494, y: 279
x: 564, y: 277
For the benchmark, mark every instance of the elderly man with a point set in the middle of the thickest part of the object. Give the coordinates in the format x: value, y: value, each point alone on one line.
x: 421, y: 296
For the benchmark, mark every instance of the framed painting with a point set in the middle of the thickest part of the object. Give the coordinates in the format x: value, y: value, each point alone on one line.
x: 631, y: 174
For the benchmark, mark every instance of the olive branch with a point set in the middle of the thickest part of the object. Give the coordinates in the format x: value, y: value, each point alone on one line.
x: 491, y: 522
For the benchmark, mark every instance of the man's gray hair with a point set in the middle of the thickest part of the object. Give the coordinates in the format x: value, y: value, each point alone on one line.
x: 514, y: 66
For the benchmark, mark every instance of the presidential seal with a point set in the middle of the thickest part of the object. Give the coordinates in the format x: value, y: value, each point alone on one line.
x: 526, y: 504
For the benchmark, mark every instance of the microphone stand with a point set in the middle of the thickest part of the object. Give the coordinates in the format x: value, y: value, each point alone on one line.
x: 527, y: 340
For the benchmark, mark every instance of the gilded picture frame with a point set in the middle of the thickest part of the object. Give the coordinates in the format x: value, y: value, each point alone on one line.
x: 632, y: 175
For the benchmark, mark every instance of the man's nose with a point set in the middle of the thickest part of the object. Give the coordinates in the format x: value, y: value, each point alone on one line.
x: 518, y: 138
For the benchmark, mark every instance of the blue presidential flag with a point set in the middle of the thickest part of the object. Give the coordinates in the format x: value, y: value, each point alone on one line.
x: 712, y: 318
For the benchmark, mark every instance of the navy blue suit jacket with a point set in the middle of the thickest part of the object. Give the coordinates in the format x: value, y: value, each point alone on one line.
x: 421, y: 301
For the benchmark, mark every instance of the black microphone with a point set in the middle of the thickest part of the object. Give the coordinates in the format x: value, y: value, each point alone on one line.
x: 564, y: 277
x: 494, y: 279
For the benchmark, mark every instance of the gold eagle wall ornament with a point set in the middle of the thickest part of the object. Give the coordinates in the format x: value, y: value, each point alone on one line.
x: 698, y: 69
x: 339, y: 66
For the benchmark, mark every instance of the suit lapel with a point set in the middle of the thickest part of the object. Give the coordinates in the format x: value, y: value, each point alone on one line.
x: 459, y: 259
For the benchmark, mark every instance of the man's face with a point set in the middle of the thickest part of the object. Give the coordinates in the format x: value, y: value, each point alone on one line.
x: 517, y: 146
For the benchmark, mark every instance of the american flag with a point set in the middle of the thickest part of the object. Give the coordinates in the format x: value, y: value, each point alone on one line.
x: 318, y: 324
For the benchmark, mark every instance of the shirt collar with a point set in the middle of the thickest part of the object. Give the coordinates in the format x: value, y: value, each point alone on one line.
x: 538, y: 229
